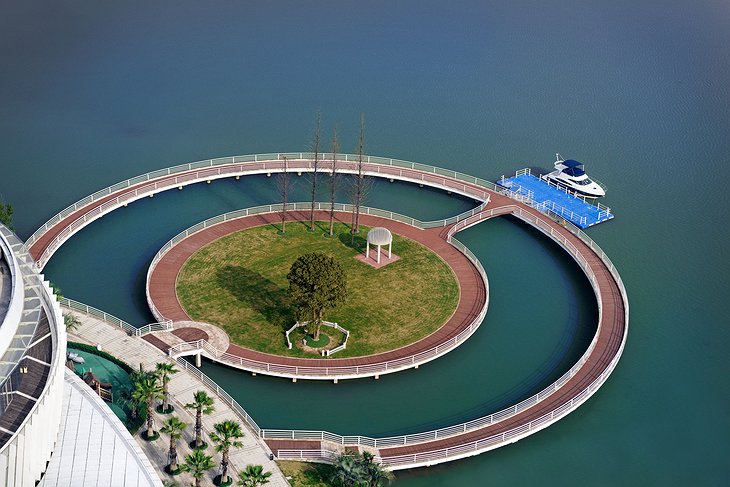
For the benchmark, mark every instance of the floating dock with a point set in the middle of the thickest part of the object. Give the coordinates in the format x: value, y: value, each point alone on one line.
x: 550, y: 198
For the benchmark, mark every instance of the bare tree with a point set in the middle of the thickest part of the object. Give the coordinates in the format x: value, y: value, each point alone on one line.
x: 333, y: 183
x: 362, y: 184
x: 284, y: 185
x: 315, y: 149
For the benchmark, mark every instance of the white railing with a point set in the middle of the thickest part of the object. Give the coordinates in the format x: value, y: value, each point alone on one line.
x: 178, y: 176
x: 113, y: 320
x: 102, y: 315
x: 221, y: 393
x: 550, y: 206
x: 322, y: 456
x: 325, y: 353
x: 153, y: 327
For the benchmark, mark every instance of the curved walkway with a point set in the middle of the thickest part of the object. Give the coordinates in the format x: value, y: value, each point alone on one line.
x: 468, y: 315
x: 482, y: 434
x: 52, y: 234
x: 519, y: 421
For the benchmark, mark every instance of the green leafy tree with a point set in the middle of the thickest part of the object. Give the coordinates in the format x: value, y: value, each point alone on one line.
x: 164, y: 370
x: 227, y: 434
x: 253, y: 476
x: 174, y: 427
x: 203, y: 404
x: 348, y: 470
x: 6, y: 214
x: 197, y: 463
x: 147, y: 391
x: 317, y: 282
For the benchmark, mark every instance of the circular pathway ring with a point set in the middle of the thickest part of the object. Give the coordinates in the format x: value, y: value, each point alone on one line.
x: 469, y: 313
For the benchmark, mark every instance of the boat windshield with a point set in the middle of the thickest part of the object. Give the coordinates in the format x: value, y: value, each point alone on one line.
x: 583, y: 182
x: 574, y: 171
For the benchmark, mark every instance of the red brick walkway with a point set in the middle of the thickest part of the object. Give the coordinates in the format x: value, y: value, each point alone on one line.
x: 472, y: 291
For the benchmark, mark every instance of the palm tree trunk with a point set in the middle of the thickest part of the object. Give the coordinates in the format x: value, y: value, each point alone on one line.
x: 198, y: 428
x: 224, y: 466
x: 150, y: 419
x: 165, y: 400
x: 173, y: 455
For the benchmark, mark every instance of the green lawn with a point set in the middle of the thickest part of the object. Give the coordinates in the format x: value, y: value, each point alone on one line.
x: 239, y: 283
x: 305, y: 474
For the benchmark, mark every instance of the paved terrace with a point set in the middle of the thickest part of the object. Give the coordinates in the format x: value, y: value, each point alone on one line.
x: 472, y: 303
x: 450, y: 443
x: 183, y: 385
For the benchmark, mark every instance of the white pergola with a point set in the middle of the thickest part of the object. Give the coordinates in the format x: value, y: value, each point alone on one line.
x: 379, y: 236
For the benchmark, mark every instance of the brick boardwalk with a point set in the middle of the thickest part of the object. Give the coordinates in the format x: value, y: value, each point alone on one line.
x: 472, y: 297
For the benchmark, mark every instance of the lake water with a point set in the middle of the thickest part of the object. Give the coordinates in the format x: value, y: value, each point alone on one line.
x: 95, y: 93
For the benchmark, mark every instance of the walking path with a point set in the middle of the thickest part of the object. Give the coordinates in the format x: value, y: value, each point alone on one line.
x: 473, y: 300
x: 531, y: 415
x: 482, y: 434
x: 183, y: 385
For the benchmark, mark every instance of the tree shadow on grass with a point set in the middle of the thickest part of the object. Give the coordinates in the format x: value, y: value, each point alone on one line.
x: 258, y: 292
x: 358, y: 244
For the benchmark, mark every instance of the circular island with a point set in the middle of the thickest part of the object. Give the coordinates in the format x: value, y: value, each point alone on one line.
x: 239, y: 283
x: 231, y: 271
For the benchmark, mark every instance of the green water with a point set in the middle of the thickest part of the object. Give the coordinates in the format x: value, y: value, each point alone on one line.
x: 110, y: 373
x: 94, y: 93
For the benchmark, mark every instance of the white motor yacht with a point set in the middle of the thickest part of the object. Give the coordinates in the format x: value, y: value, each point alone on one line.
x: 571, y: 175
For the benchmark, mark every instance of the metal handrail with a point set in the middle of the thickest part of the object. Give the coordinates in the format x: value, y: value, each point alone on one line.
x: 153, y: 327
x: 155, y: 181
x: 517, y: 408
x: 102, y: 315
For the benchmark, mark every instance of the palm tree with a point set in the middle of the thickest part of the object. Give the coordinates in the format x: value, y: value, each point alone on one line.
x: 134, y: 377
x: 173, y: 427
x: 254, y: 476
x: 203, y: 404
x: 375, y: 475
x: 226, y: 434
x: 164, y: 370
x: 348, y: 470
x: 71, y: 321
x: 197, y: 463
x: 147, y: 390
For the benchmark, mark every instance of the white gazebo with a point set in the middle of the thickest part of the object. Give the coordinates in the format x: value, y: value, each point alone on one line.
x: 379, y: 236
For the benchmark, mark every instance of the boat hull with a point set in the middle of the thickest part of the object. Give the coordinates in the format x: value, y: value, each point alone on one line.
x: 566, y: 185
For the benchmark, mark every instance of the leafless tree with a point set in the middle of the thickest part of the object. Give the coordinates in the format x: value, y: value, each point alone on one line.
x: 333, y: 182
x: 362, y: 184
x: 284, y: 184
x: 315, y: 149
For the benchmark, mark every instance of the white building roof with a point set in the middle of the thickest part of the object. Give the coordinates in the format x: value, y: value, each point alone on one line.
x: 94, y: 447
